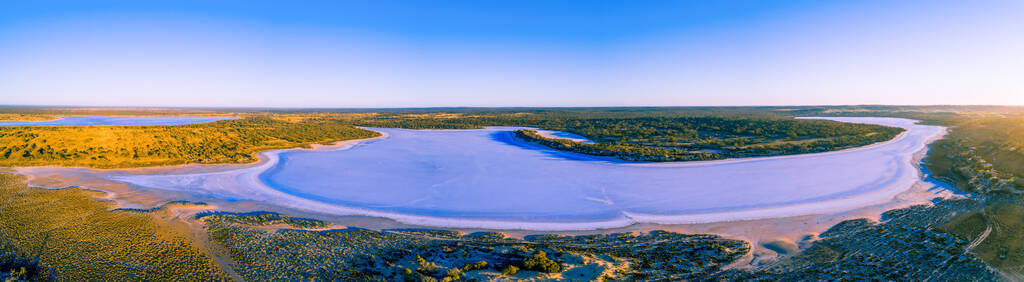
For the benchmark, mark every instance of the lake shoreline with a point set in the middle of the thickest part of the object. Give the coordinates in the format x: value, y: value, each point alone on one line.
x: 797, y: 229
x: 314, y: 207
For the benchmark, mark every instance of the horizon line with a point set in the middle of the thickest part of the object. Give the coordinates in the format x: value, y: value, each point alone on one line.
x: 497, y: 107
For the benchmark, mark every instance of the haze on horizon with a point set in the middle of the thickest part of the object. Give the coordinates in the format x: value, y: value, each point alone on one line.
x: 510, y: 53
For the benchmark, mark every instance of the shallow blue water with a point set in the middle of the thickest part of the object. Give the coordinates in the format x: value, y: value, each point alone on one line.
x: 114, y: 121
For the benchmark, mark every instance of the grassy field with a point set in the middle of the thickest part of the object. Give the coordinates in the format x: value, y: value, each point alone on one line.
x: 997, y: 229
x: 76, y: 237
x: 25, y: 117
x: 229, y: 141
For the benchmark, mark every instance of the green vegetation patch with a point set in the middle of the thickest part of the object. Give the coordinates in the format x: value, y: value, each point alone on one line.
x: 907, y: 246
x: 657, y: 134
x: 995, y: 234
x: 76, y: 237
x: 26, y: 117
x: 229, y: 141
x: 638, y: 134
x: 625, y: 152
x: 982, y: 155
x: 262, y: 219
x: 427, y: 255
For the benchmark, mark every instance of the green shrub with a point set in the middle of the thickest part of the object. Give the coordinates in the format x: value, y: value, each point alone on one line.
x: 510, y: 270
x: 476, y: 265
x: 540, y: 262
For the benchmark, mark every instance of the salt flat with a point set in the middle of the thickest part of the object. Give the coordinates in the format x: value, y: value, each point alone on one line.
x: 114, y: 121
x: 487, y: 178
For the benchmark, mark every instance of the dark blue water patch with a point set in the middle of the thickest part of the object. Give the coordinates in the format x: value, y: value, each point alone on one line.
x: 509, y: 138
x: 939, y: 184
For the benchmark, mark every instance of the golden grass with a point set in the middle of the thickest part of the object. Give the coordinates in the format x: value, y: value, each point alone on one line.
x: 26, y: 117
x: 231, y: 141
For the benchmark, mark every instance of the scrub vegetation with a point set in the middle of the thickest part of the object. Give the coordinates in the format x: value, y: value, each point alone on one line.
x: 908, y: 245
x: 660, y: 134
x: 974, y: 238
x: 949, y: 240
x: 263, y: 219
x: 25, y: 117
x: 431, y: 255
x: 68, y: 235
x: 228, y: 141
x: 14, y: 265
x: 635, y: 134
x: 984, y: 155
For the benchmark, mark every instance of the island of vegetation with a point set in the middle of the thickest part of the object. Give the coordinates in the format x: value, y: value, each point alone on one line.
x: 710, y: 137
x: 661, y: 145
x: 661, y: 134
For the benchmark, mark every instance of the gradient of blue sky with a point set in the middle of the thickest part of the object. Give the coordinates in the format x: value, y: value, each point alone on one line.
x: 510, y: 53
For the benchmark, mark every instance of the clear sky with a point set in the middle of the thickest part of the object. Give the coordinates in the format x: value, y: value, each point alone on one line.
x: 510, y: 53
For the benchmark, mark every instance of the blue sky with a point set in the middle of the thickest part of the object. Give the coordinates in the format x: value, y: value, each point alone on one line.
x: 510, y: 53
